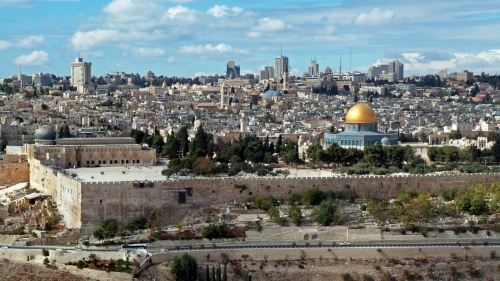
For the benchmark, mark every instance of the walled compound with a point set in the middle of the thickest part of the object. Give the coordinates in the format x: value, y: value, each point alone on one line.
x: 87, y: 196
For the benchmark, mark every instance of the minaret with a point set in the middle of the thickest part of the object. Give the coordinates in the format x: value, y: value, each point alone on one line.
x: 243, y: 123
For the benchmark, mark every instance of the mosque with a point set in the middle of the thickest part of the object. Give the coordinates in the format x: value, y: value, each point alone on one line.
x: 86, y: 152
x: 360, y: 130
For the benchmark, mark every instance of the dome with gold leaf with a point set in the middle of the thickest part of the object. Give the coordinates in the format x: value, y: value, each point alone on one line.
x: 361, y: 114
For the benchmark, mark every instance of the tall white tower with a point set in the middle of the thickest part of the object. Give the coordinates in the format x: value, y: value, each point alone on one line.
x: 225, y: 92
x: 81, y: 73
x: 243, y: 123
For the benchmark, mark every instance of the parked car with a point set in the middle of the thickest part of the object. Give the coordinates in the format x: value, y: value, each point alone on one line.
x: 78, y: 248
x: 345, y: 243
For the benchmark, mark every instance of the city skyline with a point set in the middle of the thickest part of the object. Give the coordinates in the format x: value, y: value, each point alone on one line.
x: 191, y: 38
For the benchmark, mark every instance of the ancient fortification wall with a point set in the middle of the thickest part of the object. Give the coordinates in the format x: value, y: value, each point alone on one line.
x: 222, y: 190
x: 65, y: 190
x: 13, y: 173
x: 175, y: 198
x: 86, y: 204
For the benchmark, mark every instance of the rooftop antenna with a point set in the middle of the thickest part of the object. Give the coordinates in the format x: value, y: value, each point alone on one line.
x: 340, y: 66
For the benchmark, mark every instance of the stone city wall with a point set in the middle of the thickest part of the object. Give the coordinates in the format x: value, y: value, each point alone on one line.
x: 65, y: 190
x: 123, y: 201
x: 126, y: 201
x: 222, y: 190
x: 14, y: 173
x: 86, y: 204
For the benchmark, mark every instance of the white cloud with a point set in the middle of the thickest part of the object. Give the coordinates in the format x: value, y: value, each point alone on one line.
x: 129, y: 10
x: 431, y: 62
x: 148, y: 52
x: 180, y: 13
x: 90, y: 39
x: 201, y: 73
x: 4, y: 45
x: 211, y: 51
x: 35, y: 58
x: 180, y: 1
x: 31, y: 42
x: 376, y: 17
x: 268, y: 26
x: 220, y: 11
x: 14, y: 3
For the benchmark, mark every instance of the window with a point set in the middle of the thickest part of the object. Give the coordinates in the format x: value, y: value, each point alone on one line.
x: 182, y: 197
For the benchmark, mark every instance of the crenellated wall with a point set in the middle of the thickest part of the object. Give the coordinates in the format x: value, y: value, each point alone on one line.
x: 86, y: 204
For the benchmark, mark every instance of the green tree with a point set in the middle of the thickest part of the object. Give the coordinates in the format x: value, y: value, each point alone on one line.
x: 200, y: 143
x: 66, y: 133
x: 264, y: 202
x: 325, y: 213
x: 184, y: 268
x: 375, y: 155
x: 455, y: 135
x: 3, y: 144
x: 295, y: 215
x: 110, y: 228
x: 214, y: 231
x: 279, y: 144
x: 495, y: 149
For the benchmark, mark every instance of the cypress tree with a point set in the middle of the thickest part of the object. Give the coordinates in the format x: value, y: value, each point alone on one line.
x: 224, y: 274
x: 218, y: 274
x: 212, y: 275
x: 207, y: 273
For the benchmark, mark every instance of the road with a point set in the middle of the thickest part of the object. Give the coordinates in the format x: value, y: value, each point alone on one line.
x: 371, y: 245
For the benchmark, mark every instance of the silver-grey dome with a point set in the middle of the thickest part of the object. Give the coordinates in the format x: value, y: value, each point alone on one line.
x: 45, y: 132
x: 272, y: 93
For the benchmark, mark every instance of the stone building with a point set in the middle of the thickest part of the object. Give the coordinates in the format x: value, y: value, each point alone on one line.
x: 86, y: 152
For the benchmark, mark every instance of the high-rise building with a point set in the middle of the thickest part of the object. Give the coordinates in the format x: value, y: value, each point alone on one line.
x: 81, y: 72
x: 313, y: 68
x: 396, y: 68
x: 232, y: 70
x: 280, y: 67
x: 465, y: 76
x: 393, y: 67
x: 267, y: 73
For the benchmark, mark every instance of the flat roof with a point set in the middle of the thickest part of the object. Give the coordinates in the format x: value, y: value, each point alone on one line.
x: 119, y: 173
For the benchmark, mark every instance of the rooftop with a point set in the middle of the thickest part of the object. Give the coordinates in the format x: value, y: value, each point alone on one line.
x: 121, y: 173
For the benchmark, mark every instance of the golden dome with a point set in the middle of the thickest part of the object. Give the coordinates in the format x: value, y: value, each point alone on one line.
x: 361, y: 113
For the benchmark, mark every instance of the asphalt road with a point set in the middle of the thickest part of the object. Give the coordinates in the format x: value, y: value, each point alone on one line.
x: 371, y: 245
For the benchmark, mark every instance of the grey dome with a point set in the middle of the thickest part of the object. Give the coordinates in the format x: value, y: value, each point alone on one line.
x: 271, y: 93
x: 45, y: 132
x: 385, y: 141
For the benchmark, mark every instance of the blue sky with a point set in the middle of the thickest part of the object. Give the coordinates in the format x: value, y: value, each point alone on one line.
x: 189, y: 37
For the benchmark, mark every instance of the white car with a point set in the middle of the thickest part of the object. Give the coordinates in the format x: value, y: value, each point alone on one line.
x: 78, y: 248
x: 345, y: 243
x: 5, y: 247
